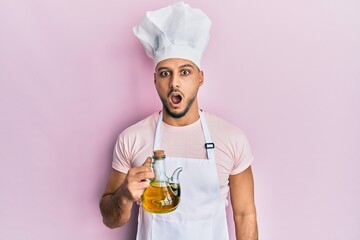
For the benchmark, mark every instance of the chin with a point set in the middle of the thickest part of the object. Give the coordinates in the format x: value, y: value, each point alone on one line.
x: 176, y: 114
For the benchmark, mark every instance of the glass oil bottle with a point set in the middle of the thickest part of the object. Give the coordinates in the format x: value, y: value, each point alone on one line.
x: 163, y: 194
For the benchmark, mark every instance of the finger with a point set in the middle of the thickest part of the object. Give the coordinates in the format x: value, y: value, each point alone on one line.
x: 145, y: 176
x: 143, y: 185
x: 136, y: 170
x: 140, y: 176
x: 138, y: 189
x: 147, y: 162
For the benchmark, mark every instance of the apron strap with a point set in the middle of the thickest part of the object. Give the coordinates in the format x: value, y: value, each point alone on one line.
x: 209, y: 145
x: 158, y: 132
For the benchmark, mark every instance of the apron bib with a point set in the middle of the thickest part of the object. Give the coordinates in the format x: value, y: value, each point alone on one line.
x: 201, y: 212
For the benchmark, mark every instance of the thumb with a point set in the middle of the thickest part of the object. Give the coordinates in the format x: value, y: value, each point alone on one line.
x: 147, y: 162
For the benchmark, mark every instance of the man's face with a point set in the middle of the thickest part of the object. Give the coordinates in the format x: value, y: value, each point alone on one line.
x: 177, y: 82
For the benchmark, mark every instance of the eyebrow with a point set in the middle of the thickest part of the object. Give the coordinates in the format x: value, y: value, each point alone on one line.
x: 187, y: 65
x: 162, y: 68
x: 182, y: 66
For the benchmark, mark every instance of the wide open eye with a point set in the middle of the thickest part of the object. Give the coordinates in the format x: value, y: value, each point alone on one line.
x: 164, y: 73
x: 185, y: 72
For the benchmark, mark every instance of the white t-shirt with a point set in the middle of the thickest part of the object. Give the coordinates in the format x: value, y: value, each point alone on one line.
x: 232, y: 150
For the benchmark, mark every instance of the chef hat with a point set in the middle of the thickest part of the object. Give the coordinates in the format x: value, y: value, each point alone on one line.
x: 175, y: 31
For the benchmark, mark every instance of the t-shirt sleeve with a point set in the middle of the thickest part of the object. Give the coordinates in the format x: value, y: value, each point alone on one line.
x: 121, y: 161
x: 243, y: 155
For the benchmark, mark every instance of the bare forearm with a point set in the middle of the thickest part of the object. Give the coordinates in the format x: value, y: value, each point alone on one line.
x: 246, y: 227
x: 115, y: 209
x: 121, y: 191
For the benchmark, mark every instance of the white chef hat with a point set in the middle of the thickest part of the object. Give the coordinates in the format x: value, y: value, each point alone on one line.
x: 175, y: 31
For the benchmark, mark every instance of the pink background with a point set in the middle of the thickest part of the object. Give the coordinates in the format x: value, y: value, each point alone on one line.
x: 73, y: 76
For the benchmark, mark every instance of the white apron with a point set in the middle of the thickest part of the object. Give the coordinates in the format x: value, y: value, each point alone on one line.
x: 201, y: 212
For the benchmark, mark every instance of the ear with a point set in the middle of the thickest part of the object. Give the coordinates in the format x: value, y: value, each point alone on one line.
x: 201, y: 79
x: 154, y: 78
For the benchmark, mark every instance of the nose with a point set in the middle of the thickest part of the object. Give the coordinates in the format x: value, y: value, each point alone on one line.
x: 175, y: 81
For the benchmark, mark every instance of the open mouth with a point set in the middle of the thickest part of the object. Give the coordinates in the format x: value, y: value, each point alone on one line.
x: 175, y: 98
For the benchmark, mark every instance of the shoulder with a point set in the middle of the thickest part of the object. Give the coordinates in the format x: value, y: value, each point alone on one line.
x: 232, y: 150
x: 132, y: 145
x: 219, y: 125
x: 224, y: 133
x: 142, y: 128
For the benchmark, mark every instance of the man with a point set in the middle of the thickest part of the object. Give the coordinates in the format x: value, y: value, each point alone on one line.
x: 214, y: 154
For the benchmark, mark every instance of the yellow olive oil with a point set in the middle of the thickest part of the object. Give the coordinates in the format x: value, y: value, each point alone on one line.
x: 160, y: 198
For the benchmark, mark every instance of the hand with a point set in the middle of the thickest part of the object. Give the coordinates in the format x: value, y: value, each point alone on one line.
x: 136, y: 181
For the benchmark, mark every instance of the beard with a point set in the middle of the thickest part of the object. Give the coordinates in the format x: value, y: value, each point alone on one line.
x: 189, y: 103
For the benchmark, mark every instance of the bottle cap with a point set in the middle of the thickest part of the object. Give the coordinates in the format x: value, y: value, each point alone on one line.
x: 158, y: 154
